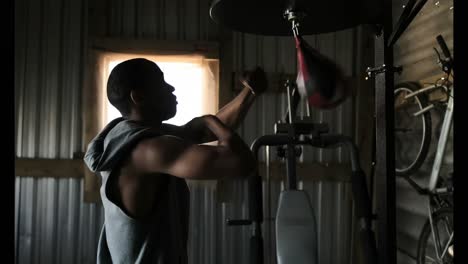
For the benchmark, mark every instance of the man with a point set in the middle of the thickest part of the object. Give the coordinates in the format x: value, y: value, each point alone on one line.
x: 144, y: 163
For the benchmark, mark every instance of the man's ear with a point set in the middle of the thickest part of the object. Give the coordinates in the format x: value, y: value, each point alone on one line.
x: 135, y: 97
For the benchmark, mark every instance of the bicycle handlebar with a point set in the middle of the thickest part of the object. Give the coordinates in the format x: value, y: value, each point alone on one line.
x: 443, y: 46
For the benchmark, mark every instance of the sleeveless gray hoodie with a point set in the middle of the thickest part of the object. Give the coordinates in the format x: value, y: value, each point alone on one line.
x: 162, y: 237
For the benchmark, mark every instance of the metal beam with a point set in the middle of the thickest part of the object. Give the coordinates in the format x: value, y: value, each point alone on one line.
x: 385, y: 153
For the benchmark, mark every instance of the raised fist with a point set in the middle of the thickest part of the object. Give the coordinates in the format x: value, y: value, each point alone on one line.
x: 255, y: 80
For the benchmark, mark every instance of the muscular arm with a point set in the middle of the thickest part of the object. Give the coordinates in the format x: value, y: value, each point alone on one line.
x: 234, y: 112
x: 175, y: 156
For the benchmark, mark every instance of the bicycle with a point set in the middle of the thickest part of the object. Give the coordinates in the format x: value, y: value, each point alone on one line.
x: 413, y: 122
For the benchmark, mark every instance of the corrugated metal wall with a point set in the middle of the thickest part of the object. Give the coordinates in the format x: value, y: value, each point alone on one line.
x: 414, y: 52
x: 53, y: 225
x: 160, y: 19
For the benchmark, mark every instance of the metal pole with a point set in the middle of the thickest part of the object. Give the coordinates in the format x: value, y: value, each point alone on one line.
x: 385, y: 153
x: 291, y: 183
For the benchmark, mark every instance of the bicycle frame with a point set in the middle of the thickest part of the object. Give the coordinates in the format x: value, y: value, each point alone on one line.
x: 444, y: 134
x: 435, y: 173
x: 443, y: 138
x: 446, y: 65
x: 433, y: 192
x: 435, y: 200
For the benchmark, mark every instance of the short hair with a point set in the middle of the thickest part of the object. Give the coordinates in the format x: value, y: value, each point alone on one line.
x: 124, y: 78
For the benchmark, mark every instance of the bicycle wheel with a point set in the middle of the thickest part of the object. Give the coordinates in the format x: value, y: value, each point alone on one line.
x: 412, y: 133
x: 443, y: 233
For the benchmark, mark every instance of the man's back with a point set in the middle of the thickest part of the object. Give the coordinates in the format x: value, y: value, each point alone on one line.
x: 137, y: 194
x: 160, y: 237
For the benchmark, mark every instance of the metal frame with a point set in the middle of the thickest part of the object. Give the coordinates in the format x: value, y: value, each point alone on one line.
x: 385, y: 152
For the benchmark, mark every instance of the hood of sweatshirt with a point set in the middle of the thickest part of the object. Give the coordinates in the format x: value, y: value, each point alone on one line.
x: 114, y: 142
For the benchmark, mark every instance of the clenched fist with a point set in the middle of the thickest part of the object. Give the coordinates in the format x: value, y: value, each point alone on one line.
x: 255, y: 80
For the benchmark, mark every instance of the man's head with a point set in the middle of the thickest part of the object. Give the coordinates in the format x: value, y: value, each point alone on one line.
x: 137, y: 86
